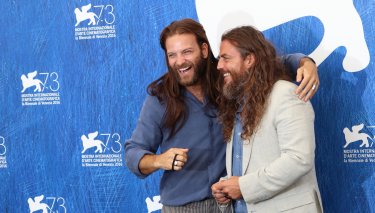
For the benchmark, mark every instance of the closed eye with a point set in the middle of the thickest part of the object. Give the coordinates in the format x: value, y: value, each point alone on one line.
x: 171, y: 55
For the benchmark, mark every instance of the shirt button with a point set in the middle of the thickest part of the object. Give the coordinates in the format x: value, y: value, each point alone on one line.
x: 237, y: 156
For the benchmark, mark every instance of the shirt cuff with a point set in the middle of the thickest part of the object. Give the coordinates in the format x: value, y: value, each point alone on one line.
x: 133, y: 160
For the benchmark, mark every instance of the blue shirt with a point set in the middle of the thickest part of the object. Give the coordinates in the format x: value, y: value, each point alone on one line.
x: 237, y: 156
x: 201, y: 134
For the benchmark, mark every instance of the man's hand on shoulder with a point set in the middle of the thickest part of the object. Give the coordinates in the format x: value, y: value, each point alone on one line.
x: 307, y: 76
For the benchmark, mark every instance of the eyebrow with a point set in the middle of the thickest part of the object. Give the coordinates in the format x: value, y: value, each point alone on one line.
x: 223, y: 56
x: 174, y: 52
x: 189, y: 48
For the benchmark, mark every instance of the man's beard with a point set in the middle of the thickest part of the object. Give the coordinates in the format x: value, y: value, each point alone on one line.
x: 234, y: 90
x: 198, y: 69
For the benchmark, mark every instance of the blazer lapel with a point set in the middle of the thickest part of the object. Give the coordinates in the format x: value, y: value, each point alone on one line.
x: 247, y: 149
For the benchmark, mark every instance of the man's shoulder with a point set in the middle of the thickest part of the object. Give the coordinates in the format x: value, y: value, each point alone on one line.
x: 283, y: 84
x: 283, y: 88
x: 284, y: 91
x: 283, y: 95
x: 152, y: 101
x: 152, y: 108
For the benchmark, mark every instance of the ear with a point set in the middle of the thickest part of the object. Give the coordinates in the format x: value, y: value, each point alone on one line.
x: 249, y: 60
x: 204, y: 49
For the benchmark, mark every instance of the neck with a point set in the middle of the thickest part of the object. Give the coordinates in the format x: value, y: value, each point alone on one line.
x: 196, y: 90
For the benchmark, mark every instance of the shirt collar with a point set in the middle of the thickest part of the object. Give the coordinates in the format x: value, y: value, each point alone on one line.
x: 190, y: 95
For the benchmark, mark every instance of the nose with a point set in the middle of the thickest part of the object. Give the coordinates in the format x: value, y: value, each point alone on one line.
x: 180, y: 59
x: 220, y: 65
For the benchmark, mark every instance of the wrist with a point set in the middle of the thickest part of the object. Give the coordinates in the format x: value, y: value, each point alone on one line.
x: 155, y: 161
x: 305, y: 60
x: 147, y: 164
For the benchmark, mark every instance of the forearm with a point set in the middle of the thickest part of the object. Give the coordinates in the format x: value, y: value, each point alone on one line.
x: 146, y: 137
x: 173, y: 159
x: 148, y: 164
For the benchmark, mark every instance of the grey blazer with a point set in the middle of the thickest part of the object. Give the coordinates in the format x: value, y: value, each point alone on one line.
x: 278, y: 160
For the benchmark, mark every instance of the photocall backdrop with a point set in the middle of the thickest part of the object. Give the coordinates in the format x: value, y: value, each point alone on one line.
x: 74, y: 76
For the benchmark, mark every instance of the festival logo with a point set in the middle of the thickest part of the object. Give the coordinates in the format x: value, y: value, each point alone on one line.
x: 40, y: 88
x: 358, y: 147
x: 3, y: 151
x: 89, y: 142
x: 257, y: 13
x: 154, y: 204
x: 95, y: 22
x: 29, y: 81
x: 355, y: 135
x: 101, y: 150
x: 56, y: 204
x: 83, y: 14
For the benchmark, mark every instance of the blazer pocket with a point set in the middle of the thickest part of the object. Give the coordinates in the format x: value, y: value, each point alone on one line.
x: 305, y: 202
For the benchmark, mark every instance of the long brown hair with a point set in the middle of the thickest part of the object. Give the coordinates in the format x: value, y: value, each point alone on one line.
x: 169, y: 91
x: 264, y: 73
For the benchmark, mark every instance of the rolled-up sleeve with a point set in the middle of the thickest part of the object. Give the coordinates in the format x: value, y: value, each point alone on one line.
x: 147, y: 136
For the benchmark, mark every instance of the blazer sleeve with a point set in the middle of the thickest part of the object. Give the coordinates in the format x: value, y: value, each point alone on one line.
x: 293, y: 120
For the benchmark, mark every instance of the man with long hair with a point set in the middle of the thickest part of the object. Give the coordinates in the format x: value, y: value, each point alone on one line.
x: 268, y: 130
x: 179, y: 118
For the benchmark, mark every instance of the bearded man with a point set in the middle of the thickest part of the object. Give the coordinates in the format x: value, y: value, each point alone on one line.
x: 269, y: 131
